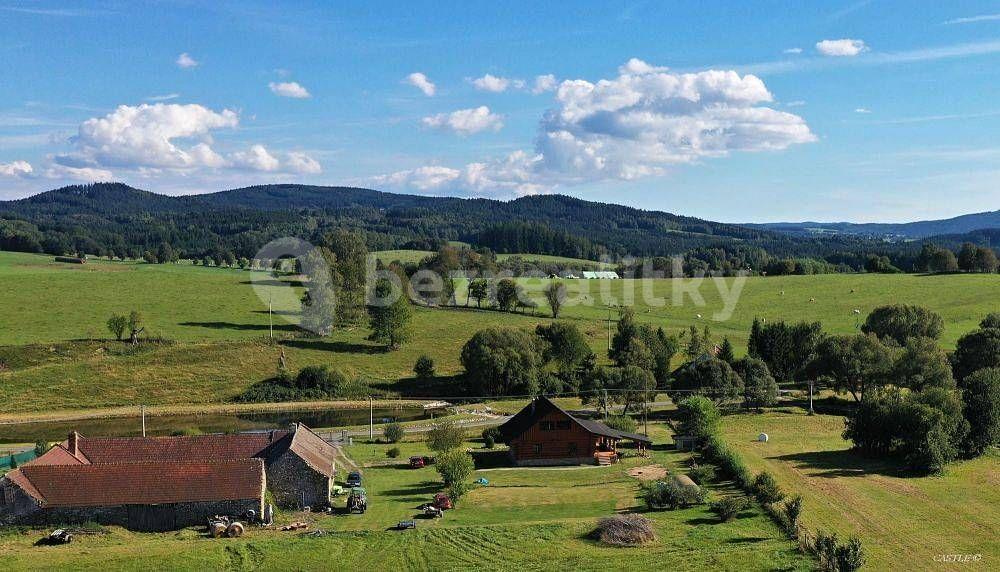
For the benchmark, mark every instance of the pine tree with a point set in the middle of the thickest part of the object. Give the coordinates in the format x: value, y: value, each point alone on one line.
x: 726, y: 351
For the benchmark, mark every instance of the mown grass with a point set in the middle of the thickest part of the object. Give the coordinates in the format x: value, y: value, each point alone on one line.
x: 904, y: 521
x: 530, y: 519
x: 221, y: 327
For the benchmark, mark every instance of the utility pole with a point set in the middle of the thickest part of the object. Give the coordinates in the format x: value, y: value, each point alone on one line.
x: 609, y: 328
x: 811, y: 383
x: 270, y: 320
x: 142, y: 412
x: 371, y: 417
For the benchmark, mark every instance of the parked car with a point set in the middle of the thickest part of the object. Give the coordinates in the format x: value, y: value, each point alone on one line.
x: 417, y: 462
x: 442, y: 501
x: 354, y: 479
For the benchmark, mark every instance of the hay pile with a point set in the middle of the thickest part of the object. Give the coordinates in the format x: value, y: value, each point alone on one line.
x: 625, y: 530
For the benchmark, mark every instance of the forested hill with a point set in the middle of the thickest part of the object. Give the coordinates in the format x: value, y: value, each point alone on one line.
x: 115, y: 218
x: 908, y: 230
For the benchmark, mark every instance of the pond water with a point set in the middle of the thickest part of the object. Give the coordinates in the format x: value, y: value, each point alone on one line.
x: 205, y: 423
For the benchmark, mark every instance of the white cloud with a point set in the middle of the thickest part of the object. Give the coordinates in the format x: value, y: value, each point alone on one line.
x: 85, y: 174
x: 862, y: 110
x: 420, y: 81
x: 465, y: 121
x: 185, y: 61
x: 795, y: 103
x: 289, y: 89
x: 257, y: 158
x: 303, y: 164
x: 144, y: 136
x: 792, y: 51
x: 16, y: 169
x: 843, y: 48
x: 152, y: 138
x: 165, y: 97
x: 638, y: 124
x: 544, y: 83
x: 974, y: 19
x: 491, y: 83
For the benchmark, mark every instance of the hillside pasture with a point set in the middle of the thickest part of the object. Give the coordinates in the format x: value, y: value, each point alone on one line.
x: 904, y: 521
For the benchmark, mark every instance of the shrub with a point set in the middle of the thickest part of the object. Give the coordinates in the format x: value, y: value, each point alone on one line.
x: 625, y: 530
x: 622, y: 423
x: 392, y: 453
x: 672, y: 495
x: 729, y: 463
x: 424, y: 368
x: 393, y: 432
x: 701, y: 474
x: 837, y: 557
x: 456, y: 491
x: 766, y: 489
x: 41, y: 447
x: 454, y: 467
x: 793, y: 509
x: 445, y: 436
x: 490, y: 437
x: 699, y: 417
x: 982, y: 410
x: 728, y: 508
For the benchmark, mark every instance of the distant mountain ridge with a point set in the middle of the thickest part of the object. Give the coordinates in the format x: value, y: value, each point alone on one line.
x: 117, y: 218
x: 963, y: 224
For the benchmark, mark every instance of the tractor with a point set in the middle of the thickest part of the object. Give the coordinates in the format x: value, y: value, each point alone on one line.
x: 357, y: 500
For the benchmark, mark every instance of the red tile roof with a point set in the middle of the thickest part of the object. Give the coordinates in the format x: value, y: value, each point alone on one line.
x: 101, y: 450
x: 141, y: 483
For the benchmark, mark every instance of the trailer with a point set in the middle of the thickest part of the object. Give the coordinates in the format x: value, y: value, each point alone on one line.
x: 357, y: 500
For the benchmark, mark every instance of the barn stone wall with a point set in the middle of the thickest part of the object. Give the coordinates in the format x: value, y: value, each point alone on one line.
x: 295, y: 484
x: 183, y: 514
x: 14, y: 503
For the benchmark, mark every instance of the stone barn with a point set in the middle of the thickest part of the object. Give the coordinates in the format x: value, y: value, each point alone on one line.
x: 168, y: 482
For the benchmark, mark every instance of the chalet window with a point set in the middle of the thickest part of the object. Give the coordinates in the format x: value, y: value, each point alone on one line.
x: 572, y: 449
x: 546, y: 425
x: 562, y: 425
x: 538, y: 448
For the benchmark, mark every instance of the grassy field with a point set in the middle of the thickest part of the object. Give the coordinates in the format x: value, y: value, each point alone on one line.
x: 525, y: 519
x: 904, y: 521
x: 55, y: 356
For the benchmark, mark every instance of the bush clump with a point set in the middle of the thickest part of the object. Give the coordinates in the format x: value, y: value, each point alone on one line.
x: 701, y: 474
x: 765, y: 489
x: 424, y: 367
x: 625, y: 530
x: 490, y: 437
x: 837, y: 557
x: 392, y: 453
x: 672, y: 495
x: 728, y: 508
x: 393, y: 432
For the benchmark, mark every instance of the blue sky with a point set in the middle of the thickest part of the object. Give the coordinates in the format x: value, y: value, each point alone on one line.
x: 751, y: 111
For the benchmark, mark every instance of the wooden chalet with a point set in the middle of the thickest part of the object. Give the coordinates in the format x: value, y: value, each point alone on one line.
x: 545, y: 434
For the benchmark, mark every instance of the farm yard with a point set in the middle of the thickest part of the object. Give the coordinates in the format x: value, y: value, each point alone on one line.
x: 523, y: 518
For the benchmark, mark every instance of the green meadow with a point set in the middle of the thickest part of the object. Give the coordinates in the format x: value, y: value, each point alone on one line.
x: 53, y: 341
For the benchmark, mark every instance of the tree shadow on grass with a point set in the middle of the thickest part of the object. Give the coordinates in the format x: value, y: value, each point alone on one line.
x: 843, y: 463
x: 273, y: 282
x: 279, y: 312
x: 241, y: 327
x: 421, y: 492
x: 334, y: 346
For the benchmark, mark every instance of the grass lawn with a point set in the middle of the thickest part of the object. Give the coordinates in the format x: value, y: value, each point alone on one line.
x: 530, y: 519
x: 903, y: 521
x: 55, y: 356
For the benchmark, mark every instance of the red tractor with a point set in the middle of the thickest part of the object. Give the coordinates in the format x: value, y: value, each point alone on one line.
x: 442, y: 501
x: 417, y: 462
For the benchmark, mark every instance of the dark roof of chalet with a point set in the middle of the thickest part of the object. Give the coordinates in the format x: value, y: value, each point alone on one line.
x: 141, y: 483
x: 541, y: 406
x: 268, y: 445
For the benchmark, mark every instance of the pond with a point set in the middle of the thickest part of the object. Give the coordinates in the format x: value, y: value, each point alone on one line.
x: 205, y: 423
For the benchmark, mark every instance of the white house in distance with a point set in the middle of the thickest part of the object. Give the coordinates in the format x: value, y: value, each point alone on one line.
x: 600, y: 274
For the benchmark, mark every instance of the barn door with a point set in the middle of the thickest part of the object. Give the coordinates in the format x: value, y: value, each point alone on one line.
x: 152, y: 517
